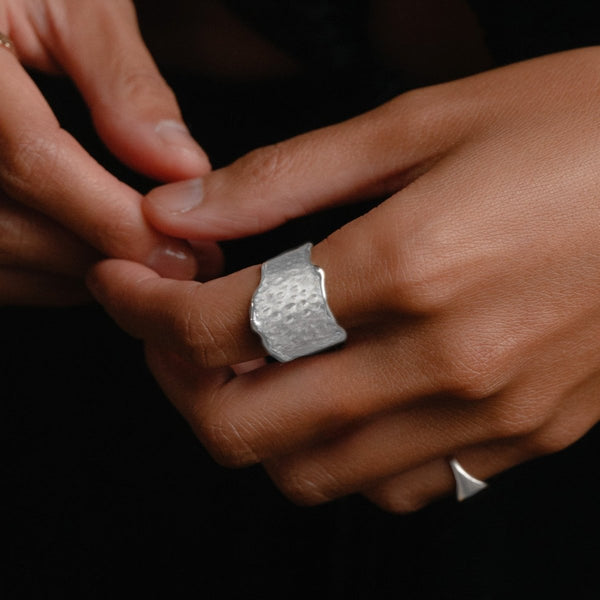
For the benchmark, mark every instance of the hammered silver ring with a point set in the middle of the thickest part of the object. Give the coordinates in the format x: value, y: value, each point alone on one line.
x: 289, y: 308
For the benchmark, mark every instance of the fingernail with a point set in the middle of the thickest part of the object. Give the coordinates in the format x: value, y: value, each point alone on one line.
x: 179, y: 197
x: 211, y: 261
x: 174, y: 261
x: 175, y: 135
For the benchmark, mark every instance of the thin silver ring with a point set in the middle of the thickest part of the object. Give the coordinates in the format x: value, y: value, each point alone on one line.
x: 466, y: 484
x: 7, y: 43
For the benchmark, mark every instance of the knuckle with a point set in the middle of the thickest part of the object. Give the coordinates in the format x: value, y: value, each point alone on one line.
x: 423, y: 280
x: 420, y: 104
x: 471, y: 368
x: 514, y: 418
x: 433, y: 115
x: 144, y: 85
x: 398, y: 505
x: 113, y: 236
x: 29, y: 159
x: 227, y: 441
x: 265, y: 166
x: 207, y: 344
x: 302, y: 483
x: 550, y: 441
x: 416, y: 287
x: 424, y: 112
x: 472, y: 381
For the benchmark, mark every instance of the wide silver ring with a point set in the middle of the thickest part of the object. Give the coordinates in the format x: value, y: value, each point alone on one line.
x: 466, y: 484
x: 289, y: 309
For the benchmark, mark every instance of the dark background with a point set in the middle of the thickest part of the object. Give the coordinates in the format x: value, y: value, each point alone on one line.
x: 106, y: 493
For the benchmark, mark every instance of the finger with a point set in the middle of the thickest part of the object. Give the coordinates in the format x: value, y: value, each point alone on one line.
x: 157, y: 310
x: 33, y: 242
x: 184, y: 317
x: 29, y: 288
x: 426, y: 475
x: 409, y: 446
x: 370, y: 156
x: 43, y: 167
x: 423, y: 485
x: 136, y: 113
x: 280, y: 409
x: 379, y: 448
x: 210, y: 323
x: 179, y: 378
x: 486, y: 438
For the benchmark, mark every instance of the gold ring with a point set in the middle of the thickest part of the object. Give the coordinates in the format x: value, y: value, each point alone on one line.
x: 7, y: 43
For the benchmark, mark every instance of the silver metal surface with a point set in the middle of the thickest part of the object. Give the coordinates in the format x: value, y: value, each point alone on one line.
x: 466, y: 485
x: 289, y: 308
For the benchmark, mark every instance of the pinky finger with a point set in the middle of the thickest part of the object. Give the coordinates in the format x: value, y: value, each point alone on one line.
x: 19, y: 287
x: 415, y: 489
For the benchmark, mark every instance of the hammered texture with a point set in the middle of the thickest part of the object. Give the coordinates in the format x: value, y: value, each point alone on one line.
x: 289, y: 309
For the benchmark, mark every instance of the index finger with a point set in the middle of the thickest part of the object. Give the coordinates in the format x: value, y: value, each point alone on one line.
x: 43, y: 166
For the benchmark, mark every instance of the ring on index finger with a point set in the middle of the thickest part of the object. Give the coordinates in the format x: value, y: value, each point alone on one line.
x: 6, y: 42
x: 289, y: 309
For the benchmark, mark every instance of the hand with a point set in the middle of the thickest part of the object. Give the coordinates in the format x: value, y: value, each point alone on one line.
x: 59, y: 209
x: 470, y: 296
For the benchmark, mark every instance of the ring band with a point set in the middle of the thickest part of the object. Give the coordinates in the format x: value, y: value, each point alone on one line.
x: 289, y: 309
x: 466, y: 484
x: 7, y: 43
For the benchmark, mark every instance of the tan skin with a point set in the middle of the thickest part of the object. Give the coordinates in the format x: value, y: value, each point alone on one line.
x: 56, y: 223
x: 59, y: 209
x: 470, y: 295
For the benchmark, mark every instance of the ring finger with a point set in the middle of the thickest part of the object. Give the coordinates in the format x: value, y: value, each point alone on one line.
x: 415, y: 488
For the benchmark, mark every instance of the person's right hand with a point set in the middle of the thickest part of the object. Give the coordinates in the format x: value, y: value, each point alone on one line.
x: 59, y: 209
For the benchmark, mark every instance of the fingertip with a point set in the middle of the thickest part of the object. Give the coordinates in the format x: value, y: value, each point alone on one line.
x: 186, y: 154
x: 171, y: 208
x: 173, y: 372
x: 163, y: 149
x: 176, y: 198
x: 173, y: 259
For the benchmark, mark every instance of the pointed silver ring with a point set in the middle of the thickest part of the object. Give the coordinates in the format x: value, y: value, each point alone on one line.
x: 466, y: 484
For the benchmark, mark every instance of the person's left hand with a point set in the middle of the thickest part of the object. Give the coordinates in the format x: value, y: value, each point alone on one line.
x: 471, y: 296
x: 60, y: 209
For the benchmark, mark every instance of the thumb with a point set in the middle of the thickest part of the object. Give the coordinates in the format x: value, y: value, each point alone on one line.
x: 368, y: 157
x: 134, y: 110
